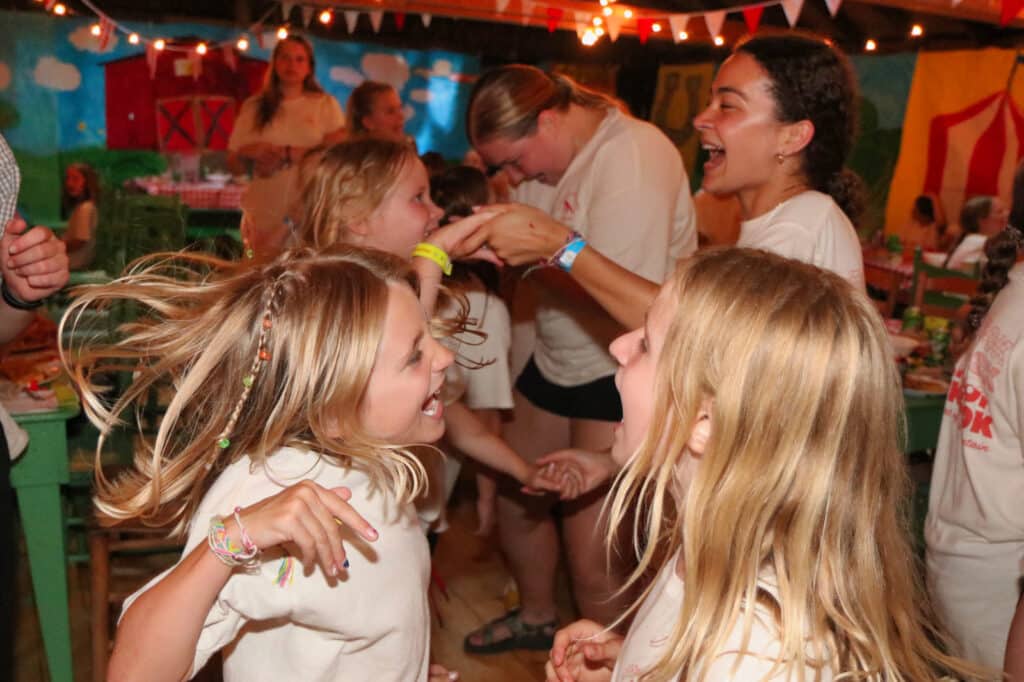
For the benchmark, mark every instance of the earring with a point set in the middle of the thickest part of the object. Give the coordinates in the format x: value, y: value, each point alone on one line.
x: 780, y: 157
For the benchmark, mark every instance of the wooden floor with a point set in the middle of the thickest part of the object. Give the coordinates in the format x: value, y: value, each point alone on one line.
x: 471, y: 568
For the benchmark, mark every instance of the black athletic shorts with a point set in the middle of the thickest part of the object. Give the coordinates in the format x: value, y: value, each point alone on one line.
x: 598, y: 399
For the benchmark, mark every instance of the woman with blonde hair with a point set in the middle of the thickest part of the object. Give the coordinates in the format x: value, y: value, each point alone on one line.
x: 760, y: 442
x: 375, y: 110
x: 299, y: 384
x: 273, y: 131
x: 617, y: 183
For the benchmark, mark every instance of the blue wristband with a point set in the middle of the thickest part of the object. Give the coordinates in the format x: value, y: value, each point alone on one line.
x: 568, y: 255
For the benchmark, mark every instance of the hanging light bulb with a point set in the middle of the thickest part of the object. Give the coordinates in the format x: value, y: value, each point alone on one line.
x: 59, y: 9
x: 683, y: 35
x: 628, y: 13
x: 201, y: 48
x: 916, y: 31
x: 95, y: 29
x: 597, y: 21
x: 719, y: 41
x: 599, y: 31
x: 282, y: 33
x: 242, y: 44
x: 604, y: 3
x: 133, y: 38
x: 159, y: 44
x: 870, y: 45
x: 326, y: 17
x: 589, y: 37
x: 656, y: 27
x: 607, y: 11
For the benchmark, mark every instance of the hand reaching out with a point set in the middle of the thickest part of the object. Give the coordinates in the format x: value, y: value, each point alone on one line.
x: 579, y: 471
x: 520, y: 234
x: 541, y: 480
x: 583, y: 652
x: 308, y: 516
x: 34, y: 263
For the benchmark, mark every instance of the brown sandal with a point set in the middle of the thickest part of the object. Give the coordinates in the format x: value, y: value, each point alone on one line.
x: 539, y: 637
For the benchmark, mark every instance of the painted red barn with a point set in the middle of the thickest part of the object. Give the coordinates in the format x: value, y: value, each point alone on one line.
x: 188, y: 104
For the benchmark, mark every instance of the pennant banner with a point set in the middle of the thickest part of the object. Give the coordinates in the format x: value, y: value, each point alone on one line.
x: 375, y: 18
x: 286, y: 10
x: 643, y: 28
x: 1010, y: 10
x: 582, y: 22
x: 752, y: 17
x: 714, y: 21
x: 106, y: 31
x: 258, y: 31
x: 229, y: 57
x: 400, y: 20
x: 351, y: 17
x: 527, y: 6
x: 614, y: 24
x: 792, y: 8
x: 678, y: 24
x: 151, y: 56
x: 425, y: 18
x: 554, y: 17
x: 833, y: 6
x: 501, y: 5
x: 307, y: 15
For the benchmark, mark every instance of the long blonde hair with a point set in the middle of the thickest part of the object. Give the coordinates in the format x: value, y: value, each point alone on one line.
x: 268, y: 100
x: 360, y: 105
x: 201, y: 332
x: 802, y: 476
x: 506, y: 101
x: 344, y: 183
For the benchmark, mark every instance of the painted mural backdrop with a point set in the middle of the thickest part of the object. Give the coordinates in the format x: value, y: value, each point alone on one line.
x: 56, y: 92
x: 959, y: 141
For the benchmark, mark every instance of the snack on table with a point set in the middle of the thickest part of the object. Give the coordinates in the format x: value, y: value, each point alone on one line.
x: 925, y: 381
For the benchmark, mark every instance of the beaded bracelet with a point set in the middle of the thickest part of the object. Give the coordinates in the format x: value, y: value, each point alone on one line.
x: 434, y: 253
x: 225, y: 549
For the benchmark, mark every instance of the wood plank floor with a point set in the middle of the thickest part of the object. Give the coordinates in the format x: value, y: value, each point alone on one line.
x: 470, y: 566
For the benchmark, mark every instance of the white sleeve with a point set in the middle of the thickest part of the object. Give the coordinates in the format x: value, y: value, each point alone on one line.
x: 632, y: 207
x: 332, y: 119
x: 244, y: 130
x: 786, y: 238
x: 490, y: 387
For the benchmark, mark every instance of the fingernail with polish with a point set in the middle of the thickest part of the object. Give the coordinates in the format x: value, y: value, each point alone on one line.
x: 345, y: 565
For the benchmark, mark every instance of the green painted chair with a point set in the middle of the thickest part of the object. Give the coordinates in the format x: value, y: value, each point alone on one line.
x: 941, y: 291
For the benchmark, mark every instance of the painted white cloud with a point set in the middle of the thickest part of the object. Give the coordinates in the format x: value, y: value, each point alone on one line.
x: 387, y: 68
x: 408, y: 112
x: 56, y: 75
x: 420, y: 95
x: 346, y: 75
x: 442, y: 68
x: 83, y: 39
x: 5, y: 76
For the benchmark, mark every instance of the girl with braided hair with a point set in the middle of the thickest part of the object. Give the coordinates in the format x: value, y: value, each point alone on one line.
x: 975, y: 525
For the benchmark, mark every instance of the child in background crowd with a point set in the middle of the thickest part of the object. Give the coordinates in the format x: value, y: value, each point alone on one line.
x: 80, y: 206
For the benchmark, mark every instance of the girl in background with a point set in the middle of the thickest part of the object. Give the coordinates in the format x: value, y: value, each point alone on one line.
x: 375, y: 110
x: 80, y: 206
x: 980, y: 218
x: 300, y: 384
x: 760, y: 440
x: 274, y: 130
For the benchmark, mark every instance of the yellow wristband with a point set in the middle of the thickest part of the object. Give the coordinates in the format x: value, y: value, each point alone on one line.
x: 434, y: 253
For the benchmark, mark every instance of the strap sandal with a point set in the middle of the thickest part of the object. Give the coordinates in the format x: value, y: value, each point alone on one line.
x: 508, y: 633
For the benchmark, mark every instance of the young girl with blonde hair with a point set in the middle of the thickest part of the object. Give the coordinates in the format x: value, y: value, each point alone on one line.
x: 299, y: 385
x: 760, y: 440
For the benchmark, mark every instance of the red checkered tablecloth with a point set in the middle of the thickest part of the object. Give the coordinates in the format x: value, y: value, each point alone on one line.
x: 195, y: 194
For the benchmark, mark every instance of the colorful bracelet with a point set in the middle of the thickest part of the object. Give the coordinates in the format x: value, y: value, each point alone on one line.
x: 566, y: 256
x: 225, y: 549
x: 434, y: 253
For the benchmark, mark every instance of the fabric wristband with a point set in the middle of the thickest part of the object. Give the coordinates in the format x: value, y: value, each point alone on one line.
x: 567, y: 255
x: 15, y: 302
x: 434, y: 253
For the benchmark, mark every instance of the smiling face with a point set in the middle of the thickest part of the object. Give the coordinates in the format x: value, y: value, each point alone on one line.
x: 995, y: 221
x: 405, y: 216
x: 386, y: 119
x: 739, y: 129
x: 74, y: 182
x: 291, y: 63
x: 401, y: 403
x: 543, y: 155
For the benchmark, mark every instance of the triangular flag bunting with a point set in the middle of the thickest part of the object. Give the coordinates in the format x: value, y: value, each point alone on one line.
x: 151, y: 56
x: 527, y: 11
x: 643, y: 28
x: 582, y: 22
x: 375, y: 18
x: 425, y: 18
x: 106, y: 30
x: 307, y: 15
x: 286, y: 10
x: 501, y: 5
x: 714, y: 21
x: 752, y: 16
x: 1011, y: 8
x: 554, y: 17
x: 197, y: 64
x: 257, y: 31
x: 833, y: 6
x: 351, y: 17
x: 677, y: 22
x: 229, y: 57
x: 400, y: 20
x: 956, y: 3
x: 792, y: 8
x: 49, y: 4
x: 614, y: 25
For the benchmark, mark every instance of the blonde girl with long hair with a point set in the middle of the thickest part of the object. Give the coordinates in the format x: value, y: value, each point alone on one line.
x: 376, y: 193
x: 275, y: 128
x: 760, y: 442
x: 299, y: 384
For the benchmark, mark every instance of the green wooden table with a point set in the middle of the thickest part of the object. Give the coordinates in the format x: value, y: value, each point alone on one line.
x: 37, y: 477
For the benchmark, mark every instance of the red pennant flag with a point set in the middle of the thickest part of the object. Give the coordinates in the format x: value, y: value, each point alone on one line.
x: 49, y: 4
x: 752, y: 15
x: 151, y: 56
x: 643, y: 29
x: 1011, y: 8
x: 229, y: 58
x: 554, y: 18
x: 400, y: 20
x: 106, y: 30
x: 258, y: 31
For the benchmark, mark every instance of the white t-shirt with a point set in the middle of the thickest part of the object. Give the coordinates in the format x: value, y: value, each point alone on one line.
x: 373, y: 623
x: 975, y: 525
x: 808, y: 227
x: 647, y: 639
x: 968, y: 252
x: 301, y: 121
x: 627, y: 193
